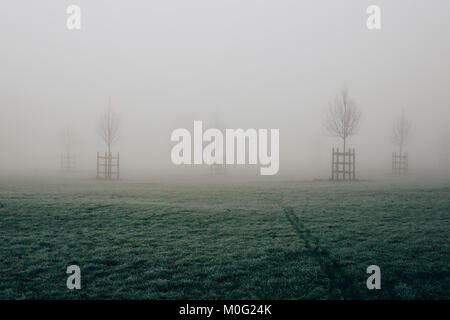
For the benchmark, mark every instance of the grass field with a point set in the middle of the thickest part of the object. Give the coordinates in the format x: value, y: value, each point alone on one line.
x: 267, y: 240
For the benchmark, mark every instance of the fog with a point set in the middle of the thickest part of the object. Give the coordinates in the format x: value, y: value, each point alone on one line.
x: 253, y: 64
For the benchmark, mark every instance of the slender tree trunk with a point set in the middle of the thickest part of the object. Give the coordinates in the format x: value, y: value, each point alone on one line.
x: 343, y: 157
x: 108, y: 161
x: 344, y: 143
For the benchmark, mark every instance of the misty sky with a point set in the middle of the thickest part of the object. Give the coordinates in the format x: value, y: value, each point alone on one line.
x: 257, y: 64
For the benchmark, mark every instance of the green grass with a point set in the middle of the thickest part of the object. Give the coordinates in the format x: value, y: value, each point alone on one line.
x: 272, y: 240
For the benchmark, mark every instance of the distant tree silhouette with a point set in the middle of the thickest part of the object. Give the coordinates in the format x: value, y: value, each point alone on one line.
x: 401, y: 132
x: 67, y: 136
x: 67, y: 157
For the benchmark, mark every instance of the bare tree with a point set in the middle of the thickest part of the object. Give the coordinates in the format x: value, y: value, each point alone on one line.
x: 343, y: 117
x: 67, y: 139
x: 401, y: 132
x: 67, y: 157
x: 109, y: 126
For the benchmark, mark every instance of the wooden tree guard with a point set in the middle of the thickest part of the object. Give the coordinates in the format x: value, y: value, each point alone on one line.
x: 399, y: 163
x: 68, y: 162
x: 343, y: 165
x: 108, y: 166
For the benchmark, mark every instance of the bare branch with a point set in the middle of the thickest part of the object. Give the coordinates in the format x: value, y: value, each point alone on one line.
x: 343, y: 117
x: 109, y: 126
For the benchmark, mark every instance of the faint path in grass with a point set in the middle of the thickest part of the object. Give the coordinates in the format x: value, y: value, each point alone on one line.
x: 342, y: 284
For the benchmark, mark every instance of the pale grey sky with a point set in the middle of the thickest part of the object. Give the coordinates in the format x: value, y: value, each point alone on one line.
x: 260, y: 64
